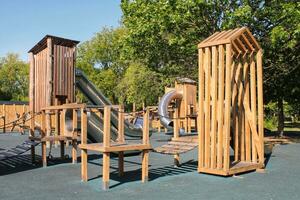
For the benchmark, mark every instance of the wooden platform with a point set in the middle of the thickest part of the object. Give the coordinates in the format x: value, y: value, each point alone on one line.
x: 53, y: 138
x: 114, y: 147
x: 236, y: 168
x: 176, y: 147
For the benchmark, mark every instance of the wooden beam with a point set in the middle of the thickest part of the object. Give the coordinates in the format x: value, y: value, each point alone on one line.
x: 106, y: 136
x: 253, y: 103
x: 106, y: 169
x: 146, y: 127
x: 220, y: 107
x: 145, y: 165
x: 49, y: 68
x: 121, y: 124
x: 207, y: 105
x: 84, y: 155
x: 200, y: 118
x: 260, y: 104
x: 214, y: 96
x: 227, y: 107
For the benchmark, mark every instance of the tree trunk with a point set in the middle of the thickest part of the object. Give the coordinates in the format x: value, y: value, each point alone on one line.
x: 280, y: 117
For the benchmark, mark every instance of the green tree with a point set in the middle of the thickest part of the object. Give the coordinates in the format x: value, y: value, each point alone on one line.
x: 276, y: 24
x: 165, y: 34
x: 14, y: 78
x: 139, y: 85
x: 103, y: 51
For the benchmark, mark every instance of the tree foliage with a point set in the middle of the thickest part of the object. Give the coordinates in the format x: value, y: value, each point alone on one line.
x: 165, y: 33
x: 140, y: 85
x: 14, y: 78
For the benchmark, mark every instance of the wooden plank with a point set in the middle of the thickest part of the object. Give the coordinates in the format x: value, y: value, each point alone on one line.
x: 106, y: 136
x: 207, y: 105
x: 200, y: 118
x: 249, y: 119
x: 84, y: 175
x: 74, y: 142
x: 121, y: 124
x: 235, y: 115
x: 246, y: 147
x: 214, y: 96
x: 31, y: 93
x: 43, y: 130
x: 84, y: 172
x: 145, y: 165
x: 106, y: 170
x: 146, y: 127
x: 260, y: 105
x: 227, y: 106
x: 48, y: 79
x: 253, y: 104
x: 220, y: 107
x: 214, y: 43
x: 176, y: 123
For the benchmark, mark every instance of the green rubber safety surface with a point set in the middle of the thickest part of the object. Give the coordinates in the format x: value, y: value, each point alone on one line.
x: 61, y: 179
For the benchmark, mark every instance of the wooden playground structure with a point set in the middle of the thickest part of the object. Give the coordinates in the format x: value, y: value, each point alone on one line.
x: 230, y: 103
x: 119, y: 146
x: 52, y: 68
x: 228, y: 114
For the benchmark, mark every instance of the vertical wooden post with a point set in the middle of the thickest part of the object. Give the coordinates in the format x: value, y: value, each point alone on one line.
x: 62, y: 143
x: 31, y: 102
x: 121, y: 139
x: 207, y: 105
x: 246, y: 144
x: 227, y: 107
x: 220, y: 107
x: 260, y: 105
x: 176, y: 123
x: 44, y: 149
x: 4, y: 117
x: 74, y: 138
x: 200, y: 117
x: 49, y: 85
x: 253, y: 105
x: 145, y: 154
x: 106, y: 143
x: 189, y: 121
x: 214, y: 96
x: 84, y: 175
x: 57, y: 123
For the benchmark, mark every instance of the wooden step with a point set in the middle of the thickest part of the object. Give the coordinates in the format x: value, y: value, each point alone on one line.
x: 174, y: 147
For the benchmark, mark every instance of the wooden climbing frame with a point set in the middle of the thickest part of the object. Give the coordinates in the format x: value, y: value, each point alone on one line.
x: 63, y: 135
x: 108, y: 146
x: 230, y: 110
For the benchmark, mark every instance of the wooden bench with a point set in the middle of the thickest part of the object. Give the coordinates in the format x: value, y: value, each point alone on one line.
x: 109, y: 146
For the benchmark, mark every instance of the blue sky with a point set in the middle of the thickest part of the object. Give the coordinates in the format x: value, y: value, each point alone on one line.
x: 24, y: 22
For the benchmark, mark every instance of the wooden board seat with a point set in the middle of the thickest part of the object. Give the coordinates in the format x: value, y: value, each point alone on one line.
x: 53, y: 138
x: 174, y: 147
x: 115, y: 147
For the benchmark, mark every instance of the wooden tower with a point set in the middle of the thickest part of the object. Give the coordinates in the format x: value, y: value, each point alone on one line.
x: 52, y: 76
x: 230, y: 110
x: 187, y: 106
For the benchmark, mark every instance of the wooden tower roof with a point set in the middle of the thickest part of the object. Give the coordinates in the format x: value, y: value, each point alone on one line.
x: 55, y: 40
x: 242, y: 40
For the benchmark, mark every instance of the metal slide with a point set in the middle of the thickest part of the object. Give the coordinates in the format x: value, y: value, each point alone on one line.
x: 95, y: 123
x: 163, y: 107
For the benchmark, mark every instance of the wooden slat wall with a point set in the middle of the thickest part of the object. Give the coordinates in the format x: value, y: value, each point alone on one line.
x: 230, y: 104
x: 64, y: 72
x: 40, y: 79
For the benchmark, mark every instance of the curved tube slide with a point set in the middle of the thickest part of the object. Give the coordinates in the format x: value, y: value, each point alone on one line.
x: 163, y: 107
